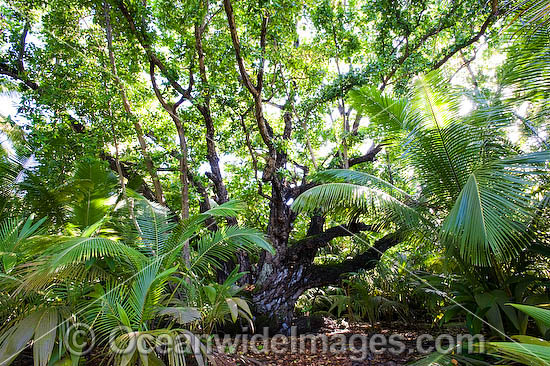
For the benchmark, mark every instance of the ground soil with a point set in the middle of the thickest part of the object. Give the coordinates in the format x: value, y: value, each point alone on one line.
x: 409, y: 334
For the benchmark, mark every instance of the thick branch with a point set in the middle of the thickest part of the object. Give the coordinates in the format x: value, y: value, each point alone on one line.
x: 128, y: 110
x: 13, y: 73
x: 184, y: 166
x: 323, y: 275
x: 146, y: 44
x: 204, y: 109
x: 22, y: 44
x: 265, y: 130
x: 308, y: 246
x: 490, y: 20
x: 369, y: 156
x: 237, y: 47
x: 263, y: 32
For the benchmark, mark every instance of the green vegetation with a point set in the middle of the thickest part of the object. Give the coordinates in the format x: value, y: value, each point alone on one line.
x: 180, y: 169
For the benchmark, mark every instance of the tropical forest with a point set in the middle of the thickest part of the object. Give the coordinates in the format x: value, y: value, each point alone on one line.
x: 274, y: 182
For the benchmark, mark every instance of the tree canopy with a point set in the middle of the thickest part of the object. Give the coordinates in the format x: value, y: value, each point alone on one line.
x: 279, y: 145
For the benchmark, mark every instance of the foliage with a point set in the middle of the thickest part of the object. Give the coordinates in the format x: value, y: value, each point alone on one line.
x: 359, y: 300
x: 477, y: 188
x: 525, y: 350
x: 394, y: 289
x: 140, y: 287
x: 138, y: 123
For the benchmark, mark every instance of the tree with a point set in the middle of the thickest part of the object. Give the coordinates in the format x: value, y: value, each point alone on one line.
x: 203, y: 71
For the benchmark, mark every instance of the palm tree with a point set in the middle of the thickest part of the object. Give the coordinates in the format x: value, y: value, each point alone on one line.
x: 473, y: 192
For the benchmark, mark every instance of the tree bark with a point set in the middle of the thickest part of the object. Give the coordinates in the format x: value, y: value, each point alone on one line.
x: 290, y: 279
x: 204, y: 108
x: 184, y: 166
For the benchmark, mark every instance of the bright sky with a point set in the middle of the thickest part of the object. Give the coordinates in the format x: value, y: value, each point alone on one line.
x: 8, y: 105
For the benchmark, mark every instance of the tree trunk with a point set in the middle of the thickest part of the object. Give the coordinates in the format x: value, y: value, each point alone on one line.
x: 128, y: 109
x: 184, y: 167
x: 281, y: 283
x: 283, y: 277
x: 277, y: 293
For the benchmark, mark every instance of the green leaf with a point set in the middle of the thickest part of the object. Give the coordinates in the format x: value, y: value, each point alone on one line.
x: 528, y: 354
x: 211, y: 293
x: 233, y: 309
x: 123, y: 315
x: 44, y: 337
x: 531, y: 340
x: 243, y: 305
x: 491, y: 213
x: 18, y: 336
x: 537, y: 313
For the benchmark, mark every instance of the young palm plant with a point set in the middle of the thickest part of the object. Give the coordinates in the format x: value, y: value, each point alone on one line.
x: 135, y: 294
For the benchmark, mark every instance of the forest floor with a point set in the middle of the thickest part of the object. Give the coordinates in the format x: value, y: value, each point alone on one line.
x: 337, y: 336
x: 410, y: 335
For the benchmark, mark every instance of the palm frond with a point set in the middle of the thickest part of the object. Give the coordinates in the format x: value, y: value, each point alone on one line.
x: 155, y: 225
x: 491, y: 213
x: 42, y: 325
x: 390, y: 116
x: 215, y: 248
x: 103, y: 311
x: 72, y: 258
x: 442, y: 150
x: 445, y: 359
x: 527, y: 354
x: 90, y: 193
x: 45, y: 337
x: 10, y: 170
x: 79, y: 250
x: 537, y: 313
x: 13, y: 234
x: 191, y: 227
x: 359, y: 178
x: 340, y: 196
x: 147, y: 290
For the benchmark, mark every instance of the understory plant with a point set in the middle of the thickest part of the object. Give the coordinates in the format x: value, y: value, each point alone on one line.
x: 524, y: 349
x: 129, y: 281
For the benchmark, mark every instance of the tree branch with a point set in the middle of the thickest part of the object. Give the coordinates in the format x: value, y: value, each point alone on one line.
x: 323, y: 275
x: 146, y: 44
x: 308, y: 246
x: 204, y: 109
x: 490, y: 20
x: 265, y: 130
x: 237, y: 47
x: 263, y: 32
x: 128, y: 109
x: 22, y: 44
x: 409, y: 50
x: 368, y: 156
x: 13, y: 73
